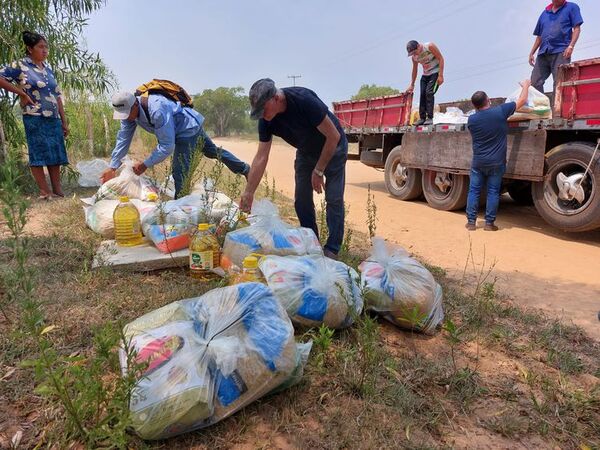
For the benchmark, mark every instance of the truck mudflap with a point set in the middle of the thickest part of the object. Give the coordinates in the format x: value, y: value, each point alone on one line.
x: 453, y: 151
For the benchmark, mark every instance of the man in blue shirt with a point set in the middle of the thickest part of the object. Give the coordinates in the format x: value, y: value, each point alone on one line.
x: 489, y: 129
x: 300, y: 118
x: 556, y: 32
x: 177, y: 130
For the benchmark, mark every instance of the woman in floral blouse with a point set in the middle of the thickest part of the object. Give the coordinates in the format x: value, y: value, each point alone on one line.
x: 32, y: 79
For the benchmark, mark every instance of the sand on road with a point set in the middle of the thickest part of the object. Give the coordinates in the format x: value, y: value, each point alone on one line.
x: 535, y: 264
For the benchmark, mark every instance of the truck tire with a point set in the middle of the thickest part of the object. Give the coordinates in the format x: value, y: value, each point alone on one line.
x: 401, y: 182
x: 520, y: 192
x: 448, y: 194
x: 567, y: 212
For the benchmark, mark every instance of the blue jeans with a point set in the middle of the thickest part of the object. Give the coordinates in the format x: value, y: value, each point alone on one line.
x: 492, y: 176
x: 184, y: 149
x: 335, y: 181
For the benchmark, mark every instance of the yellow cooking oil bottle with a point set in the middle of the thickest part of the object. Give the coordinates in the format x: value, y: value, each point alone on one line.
x: 205, y: 253
x: 250, y: 272
x: 128, y: 229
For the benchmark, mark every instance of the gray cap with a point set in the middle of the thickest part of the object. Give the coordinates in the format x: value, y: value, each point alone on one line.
x: 411, y: 47
x: 122, y: 102
x: 261, y: 91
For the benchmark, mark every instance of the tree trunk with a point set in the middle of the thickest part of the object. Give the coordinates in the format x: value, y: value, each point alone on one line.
x: 3, y: 145
x: 90, y: 129
x: 106, y: 135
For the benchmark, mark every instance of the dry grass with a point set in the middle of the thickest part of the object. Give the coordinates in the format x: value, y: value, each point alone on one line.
x: 521, y: 379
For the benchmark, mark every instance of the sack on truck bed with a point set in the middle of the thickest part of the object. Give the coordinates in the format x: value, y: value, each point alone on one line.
x: 206, y: 358
x: 537, y: 106
x: 269, y: 235
x: 400, y: 289
x: 313, y: 289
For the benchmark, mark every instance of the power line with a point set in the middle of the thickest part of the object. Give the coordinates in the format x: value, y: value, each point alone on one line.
x: 397, y: 35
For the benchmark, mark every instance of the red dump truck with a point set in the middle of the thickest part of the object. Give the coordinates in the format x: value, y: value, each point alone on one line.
x: 554, y: 163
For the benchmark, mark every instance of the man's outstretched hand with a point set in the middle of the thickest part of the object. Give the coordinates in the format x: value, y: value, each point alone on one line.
x: 139, y: 168
x: 246, y: 202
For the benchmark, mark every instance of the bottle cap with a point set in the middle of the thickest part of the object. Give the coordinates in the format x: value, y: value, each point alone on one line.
x: 250, y: 262
x: 152, y: 196
x: 124, y: 199
x: 203, y: 226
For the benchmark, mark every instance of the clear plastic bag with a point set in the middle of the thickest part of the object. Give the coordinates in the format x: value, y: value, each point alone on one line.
x: 99, y: 215
x: 400, y: 289
x: 206, y: 358
x: 172, y: 223
x: 269, y: 235
x: 314, y: 290
x: 90, y: 171
x: 537, y: 106
x: 129, y: 184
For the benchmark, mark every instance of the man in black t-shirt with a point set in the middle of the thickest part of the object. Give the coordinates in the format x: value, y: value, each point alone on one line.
x: 301, y: 119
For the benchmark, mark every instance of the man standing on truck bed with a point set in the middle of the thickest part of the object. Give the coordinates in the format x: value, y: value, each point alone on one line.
x: 430, y: 57
x: 556, y: 32
x: 301, y: 119
x: 489, y: 129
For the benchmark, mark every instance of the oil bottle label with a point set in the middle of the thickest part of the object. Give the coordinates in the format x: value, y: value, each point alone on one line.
x: 201, y: 260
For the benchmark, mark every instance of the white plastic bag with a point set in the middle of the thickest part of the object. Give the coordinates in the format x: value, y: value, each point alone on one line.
x: 206, y: 358
x: 99, y: 215
x: 269, y: 235
x: 401, y: 289
x: 90, y: 171
x: 314, y: 289
x: 537, y: 106
x: 172, y: 223
x: 453, y: 115
x: 129, y: 184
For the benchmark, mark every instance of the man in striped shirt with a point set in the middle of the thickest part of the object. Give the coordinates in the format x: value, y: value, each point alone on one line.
x: 430, y: 57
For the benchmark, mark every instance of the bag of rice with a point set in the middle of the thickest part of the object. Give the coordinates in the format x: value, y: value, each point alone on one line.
x: 313, y: 289
x: 400, y: 289
x: 269, y: 235
x: 203, y: 359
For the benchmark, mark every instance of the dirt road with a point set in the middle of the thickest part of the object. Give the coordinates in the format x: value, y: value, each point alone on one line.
x: 535, y: 264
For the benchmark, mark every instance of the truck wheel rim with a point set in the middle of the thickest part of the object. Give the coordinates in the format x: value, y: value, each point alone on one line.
x: 399, y: 176
x: 552, y: 191
x: 441, y: 184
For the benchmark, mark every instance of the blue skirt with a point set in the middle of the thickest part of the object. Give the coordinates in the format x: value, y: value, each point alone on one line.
x: 45, y: 141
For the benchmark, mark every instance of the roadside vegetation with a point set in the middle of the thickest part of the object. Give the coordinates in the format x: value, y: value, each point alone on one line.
x: 495, y: 374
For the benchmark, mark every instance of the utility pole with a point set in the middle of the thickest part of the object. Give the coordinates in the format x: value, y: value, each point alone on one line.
x: 293, y: 77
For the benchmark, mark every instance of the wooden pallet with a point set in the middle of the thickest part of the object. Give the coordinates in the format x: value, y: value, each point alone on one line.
x: 141, y: 258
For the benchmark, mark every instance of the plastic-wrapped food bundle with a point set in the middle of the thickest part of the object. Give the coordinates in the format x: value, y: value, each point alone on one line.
x: 99, y: 215
x: 537, y: 106
x: 400, y: 289
x: 207, y: 357
x: 127, y: 183
x: 269, y: 235
x: 90, y: 171
x: 313, y: 289
x: 171, y: 224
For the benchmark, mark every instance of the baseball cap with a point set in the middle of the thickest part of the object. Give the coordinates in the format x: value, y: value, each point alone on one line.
x: 411, y: 47
x: 122, y: 102
x: 261, y: 92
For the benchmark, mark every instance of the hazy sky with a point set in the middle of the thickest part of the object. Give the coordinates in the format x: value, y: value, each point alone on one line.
x: 334, y: 45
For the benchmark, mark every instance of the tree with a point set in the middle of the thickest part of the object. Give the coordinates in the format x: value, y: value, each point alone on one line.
x: 62, y: 23
x: 225, y: 109
x: 372, y: 90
